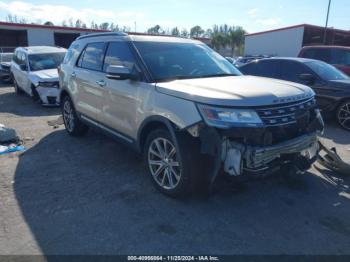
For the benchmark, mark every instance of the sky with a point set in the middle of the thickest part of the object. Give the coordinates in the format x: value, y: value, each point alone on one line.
x: 252, y: 15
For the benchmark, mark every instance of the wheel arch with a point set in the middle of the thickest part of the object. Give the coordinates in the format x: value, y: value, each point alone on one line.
x: 153, y: 123
x: 63, y: 94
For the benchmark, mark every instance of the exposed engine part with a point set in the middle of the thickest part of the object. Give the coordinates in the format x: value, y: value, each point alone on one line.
x: 332, y: 160
x: 194, y: 130
x: 232, y: 158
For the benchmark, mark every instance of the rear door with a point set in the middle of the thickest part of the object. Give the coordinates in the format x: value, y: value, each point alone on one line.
x: 87, y: 76
x: 121, y: 97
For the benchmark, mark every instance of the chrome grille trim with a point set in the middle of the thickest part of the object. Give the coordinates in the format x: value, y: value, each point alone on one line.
x: 284, y: 114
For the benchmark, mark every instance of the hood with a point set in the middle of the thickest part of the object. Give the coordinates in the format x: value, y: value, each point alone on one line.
x: 236, y: 90
x: 44, y: 75
x: 341, y: 84
x: 6, y: 64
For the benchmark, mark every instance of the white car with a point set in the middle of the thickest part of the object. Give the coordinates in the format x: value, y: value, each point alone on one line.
x: 34, y: 71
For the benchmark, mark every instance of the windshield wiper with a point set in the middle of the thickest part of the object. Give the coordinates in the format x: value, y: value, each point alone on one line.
x: 168, y: 79
x: 217, y: 75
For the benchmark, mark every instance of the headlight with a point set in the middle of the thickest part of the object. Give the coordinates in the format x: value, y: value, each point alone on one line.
x: 48, y: 84
x: 229, y: 117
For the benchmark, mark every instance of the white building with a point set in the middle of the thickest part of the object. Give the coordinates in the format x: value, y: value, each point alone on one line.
x: 13, y: 35
x: 289, y: 40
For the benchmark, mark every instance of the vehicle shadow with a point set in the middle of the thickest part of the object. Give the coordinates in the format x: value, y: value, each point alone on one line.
x: 22, y: 105
x: 93, y: 196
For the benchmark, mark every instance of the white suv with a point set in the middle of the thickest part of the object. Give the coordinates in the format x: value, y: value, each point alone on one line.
x: 34, y: 71
x: 186, y: 108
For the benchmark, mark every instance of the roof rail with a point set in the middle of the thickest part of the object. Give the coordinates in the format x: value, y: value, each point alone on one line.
x: 102, y: 34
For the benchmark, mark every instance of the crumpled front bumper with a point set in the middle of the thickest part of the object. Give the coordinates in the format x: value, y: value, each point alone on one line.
x: 242, y: 151
x: 238, y: 157
x: 49, y: 95
x: 258, y: 156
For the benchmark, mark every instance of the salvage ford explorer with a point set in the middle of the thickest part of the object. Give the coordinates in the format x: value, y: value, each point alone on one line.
x: 188, y: 110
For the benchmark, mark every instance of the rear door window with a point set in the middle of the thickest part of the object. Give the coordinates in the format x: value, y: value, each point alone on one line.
x: 267, y: 68
x: 119, y: 54
x: 291, y: 71
x: 92, y: 56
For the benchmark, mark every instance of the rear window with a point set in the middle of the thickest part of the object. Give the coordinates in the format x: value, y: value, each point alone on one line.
x: 335, y: 56
x: 322, y: 54
x: 340, y: 57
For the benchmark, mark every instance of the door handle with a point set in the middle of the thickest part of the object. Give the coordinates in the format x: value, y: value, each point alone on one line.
x: 73, y: 74
x: 101, y: 83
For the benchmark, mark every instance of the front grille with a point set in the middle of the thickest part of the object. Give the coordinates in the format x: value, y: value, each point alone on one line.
x: 285, y: 114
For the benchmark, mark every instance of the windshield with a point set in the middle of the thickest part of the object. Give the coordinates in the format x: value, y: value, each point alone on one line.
x: 326, y: 71
x: 45, y: 61
x: 6, y: 57
x: 169, y: 61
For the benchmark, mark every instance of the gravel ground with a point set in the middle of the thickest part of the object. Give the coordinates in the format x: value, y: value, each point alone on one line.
x: 92, y: 195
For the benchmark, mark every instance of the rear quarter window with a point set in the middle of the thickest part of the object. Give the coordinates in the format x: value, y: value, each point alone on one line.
x: 72, y: 54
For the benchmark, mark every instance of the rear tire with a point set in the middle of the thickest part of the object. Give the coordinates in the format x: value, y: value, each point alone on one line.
x: 172, y: 164
x: 74, y: 126
x: 343, y: 115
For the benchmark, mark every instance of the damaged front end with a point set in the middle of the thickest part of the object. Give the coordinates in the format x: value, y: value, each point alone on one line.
x: 287, y: 137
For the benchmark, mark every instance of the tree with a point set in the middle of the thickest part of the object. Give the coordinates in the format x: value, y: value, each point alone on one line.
x: 196, y: 31
x: 184, y: 32
x: 48, y: 23
x: 175, y: 31
x: 104, y: 26
x: 157, y: 30
x: 78, y: 23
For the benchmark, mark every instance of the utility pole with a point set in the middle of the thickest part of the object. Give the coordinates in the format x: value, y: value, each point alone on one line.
x: 135, y: 26
x: 325, y: 29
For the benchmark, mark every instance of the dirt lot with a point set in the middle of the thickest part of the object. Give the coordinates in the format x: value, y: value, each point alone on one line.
x: 92, y: 196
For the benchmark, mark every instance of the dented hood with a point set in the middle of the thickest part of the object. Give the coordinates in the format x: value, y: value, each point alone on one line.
x: 49, y: 74
x: 236, y: 90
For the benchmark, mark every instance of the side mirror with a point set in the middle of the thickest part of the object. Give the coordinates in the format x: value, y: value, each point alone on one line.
x: 121, y: 73
x: 23, y: 67
x: 308, y: 79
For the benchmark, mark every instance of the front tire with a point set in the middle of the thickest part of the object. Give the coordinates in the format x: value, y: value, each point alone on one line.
x: 343, y: 115
x: 171, y: 164
x: 74, y: 126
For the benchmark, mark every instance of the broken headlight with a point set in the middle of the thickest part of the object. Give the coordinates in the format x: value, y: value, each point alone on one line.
x: 48, y: 84
x: 229, y: 117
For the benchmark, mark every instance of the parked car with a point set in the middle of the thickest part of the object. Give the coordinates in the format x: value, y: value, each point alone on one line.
x: 240, y: 61
x: 5, y: 63
x: 186, y: 108
x: 332, y: 87
x: 34, y: 71
x: 338, y: 56
x: 231, y: 59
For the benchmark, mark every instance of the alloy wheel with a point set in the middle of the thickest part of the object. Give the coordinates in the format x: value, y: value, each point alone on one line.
x: 344, y: 115
x: 68, y: 115
x: 163, y: 163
